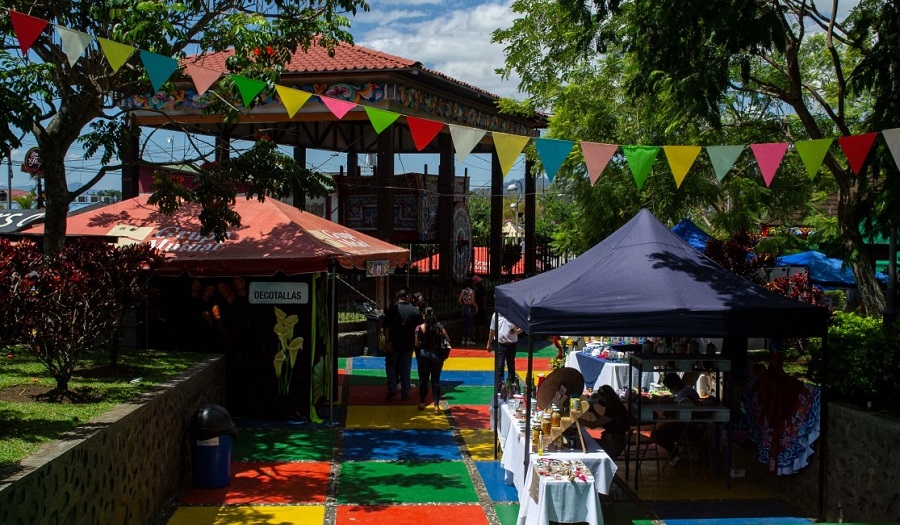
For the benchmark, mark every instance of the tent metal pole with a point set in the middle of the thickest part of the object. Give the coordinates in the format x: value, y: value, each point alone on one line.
x: 823, y: 425
x: 529, y: 391
x: 494, y: 404
x: 332, y: 318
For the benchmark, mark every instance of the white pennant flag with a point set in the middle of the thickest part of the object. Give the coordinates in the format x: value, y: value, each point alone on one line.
x: 73, y: 42
x: 465, y: 139
x: 892, y: 137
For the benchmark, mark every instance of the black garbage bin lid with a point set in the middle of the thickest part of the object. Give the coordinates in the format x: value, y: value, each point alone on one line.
x: 212, y: 420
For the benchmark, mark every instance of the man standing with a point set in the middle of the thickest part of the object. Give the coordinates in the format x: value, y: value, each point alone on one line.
x: 400, y: 322
x: 507, y: 339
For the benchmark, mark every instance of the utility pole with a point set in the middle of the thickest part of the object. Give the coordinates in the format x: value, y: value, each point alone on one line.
x: 9, y: 182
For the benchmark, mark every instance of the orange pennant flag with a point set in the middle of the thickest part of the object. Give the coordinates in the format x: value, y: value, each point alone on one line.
x: 203, y: 77
x: 423, y: 130
x: 27, y: 28
x: 596, y: 157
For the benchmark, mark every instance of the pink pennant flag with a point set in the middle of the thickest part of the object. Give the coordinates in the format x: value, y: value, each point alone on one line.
x: 423, y: 130
x: 769, y: 157
x: 596, y: 157
x: 339, y: 108
x: 203, y: 77
x: 27, y: 28
x: 856, y: 148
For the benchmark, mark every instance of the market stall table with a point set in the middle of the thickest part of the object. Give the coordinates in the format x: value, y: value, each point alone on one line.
x: 561, y: 491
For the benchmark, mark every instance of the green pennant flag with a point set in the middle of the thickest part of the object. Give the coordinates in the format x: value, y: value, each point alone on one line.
x: 813, y: 152
x: 116, y: 54
x: 248, y: 87
x: 381, y: 118
x: 640, y: 160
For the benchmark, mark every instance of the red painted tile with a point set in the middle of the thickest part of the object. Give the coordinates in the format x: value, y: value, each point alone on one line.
x: 410, y: 514
x: 264, y: 482
x: 471, y: 417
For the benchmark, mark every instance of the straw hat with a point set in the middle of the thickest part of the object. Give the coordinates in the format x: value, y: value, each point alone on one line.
x: 559, y: 386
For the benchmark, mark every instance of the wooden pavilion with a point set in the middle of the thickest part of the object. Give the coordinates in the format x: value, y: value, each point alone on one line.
x: 368, y: 78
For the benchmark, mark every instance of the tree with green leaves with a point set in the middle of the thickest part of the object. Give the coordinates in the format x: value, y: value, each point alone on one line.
x: 56, y: 102
x: 688, y: 64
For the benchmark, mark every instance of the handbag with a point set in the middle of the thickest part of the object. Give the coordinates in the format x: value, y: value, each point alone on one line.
x: 445, y: 349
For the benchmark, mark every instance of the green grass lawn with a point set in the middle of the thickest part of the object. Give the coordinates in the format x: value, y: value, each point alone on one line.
x: 27, y: 422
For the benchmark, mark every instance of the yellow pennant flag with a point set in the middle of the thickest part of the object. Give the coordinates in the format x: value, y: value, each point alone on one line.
x: 508, y: 149
x: 681, y: 158
x: 116, y: 54
x: 293, y: 99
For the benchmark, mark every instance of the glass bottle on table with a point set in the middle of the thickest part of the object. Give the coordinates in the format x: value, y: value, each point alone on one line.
x: 540, y: 444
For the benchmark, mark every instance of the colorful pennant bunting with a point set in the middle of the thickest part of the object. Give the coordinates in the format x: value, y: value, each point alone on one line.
x: 423, y: 130
x: 681, y: 158
x: 769, y: 157
x: 116, y: 54
x: 552, y: 153
x: 381, y: 118
x: 202, y: 77
x: 293, y: 99
x: 596, y: 157
x: 339, y: 108
x: 248, y: 87
x: 723, y: 158
x: 73, y: 43
x: 159, y: 68
x: 640, y: 160
x: 812, y: 153
x: 465, y: 139
x: 27, y: 28
x: 856, y: 148
x: 508, y: 149
x: 892, y: 137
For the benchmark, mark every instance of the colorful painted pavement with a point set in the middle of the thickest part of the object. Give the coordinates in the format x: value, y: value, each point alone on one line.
x: 388, y: 462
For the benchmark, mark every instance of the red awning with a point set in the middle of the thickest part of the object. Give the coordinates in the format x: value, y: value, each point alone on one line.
x: 274, y: 237
x: 482, y: 263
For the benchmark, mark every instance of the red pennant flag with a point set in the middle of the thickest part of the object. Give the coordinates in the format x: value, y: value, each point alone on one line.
x: 856, y: 148
x: 423, y: 130
x: 27, y: 28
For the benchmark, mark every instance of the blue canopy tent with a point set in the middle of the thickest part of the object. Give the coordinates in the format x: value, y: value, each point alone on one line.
x: 823, y: 270
x: 693, y: 234
x: 645, y: 279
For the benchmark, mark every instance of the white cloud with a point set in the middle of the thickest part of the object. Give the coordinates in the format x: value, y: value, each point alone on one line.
x: 456, y: 42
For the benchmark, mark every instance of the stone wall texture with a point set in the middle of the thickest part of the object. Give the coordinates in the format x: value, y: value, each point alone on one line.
x: 863, y: 466
x: 124, y: 467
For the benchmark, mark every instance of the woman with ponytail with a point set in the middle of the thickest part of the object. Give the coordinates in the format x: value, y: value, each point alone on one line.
x: 430, y: 337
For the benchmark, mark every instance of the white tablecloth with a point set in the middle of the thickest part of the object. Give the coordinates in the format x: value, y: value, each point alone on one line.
x: 513, y: 460
x: 561, y: 501
x: 612, y: 374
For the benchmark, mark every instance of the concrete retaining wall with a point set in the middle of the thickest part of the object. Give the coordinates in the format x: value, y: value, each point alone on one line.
x: 125, y: 466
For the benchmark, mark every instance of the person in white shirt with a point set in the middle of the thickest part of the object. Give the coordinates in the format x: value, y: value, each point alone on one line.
x: 507, y: 338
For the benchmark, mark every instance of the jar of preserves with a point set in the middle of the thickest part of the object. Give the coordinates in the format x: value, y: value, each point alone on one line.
x: 546, y: 424
x: 555, y: 416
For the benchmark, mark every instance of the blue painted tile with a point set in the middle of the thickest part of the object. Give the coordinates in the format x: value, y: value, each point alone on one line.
x: 394, y: 445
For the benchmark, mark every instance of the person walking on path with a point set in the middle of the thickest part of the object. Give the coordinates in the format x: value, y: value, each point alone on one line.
x: 430, y: 336
x: 507, y: 338
x: 400, y: 322
x: 467, y: 311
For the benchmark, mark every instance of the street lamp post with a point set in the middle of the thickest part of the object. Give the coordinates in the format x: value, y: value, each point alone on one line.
x: 516, y: 187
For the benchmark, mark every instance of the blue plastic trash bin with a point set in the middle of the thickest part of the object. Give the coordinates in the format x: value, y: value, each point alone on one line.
x: 212, y: 433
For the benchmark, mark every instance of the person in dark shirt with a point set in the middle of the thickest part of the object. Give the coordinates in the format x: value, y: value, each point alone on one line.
x: 400, y: 322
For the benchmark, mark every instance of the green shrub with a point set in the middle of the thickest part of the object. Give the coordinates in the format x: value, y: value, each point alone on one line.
x: 862, y: 360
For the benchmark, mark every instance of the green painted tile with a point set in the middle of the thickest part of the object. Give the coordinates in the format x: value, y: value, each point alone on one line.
x: 284, y: 445
x: 366, y: 378
x: 508, y: 514
x: 405, y: 482
x: 467, y: 395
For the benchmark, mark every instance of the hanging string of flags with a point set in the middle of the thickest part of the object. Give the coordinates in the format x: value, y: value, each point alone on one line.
x: 552, y: 152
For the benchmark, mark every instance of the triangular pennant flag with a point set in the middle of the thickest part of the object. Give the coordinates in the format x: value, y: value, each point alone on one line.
x: 203, y: 77
x: 159, y: 68
x: 465, y: 139
x: 681, y: 158
x: 856, y: 148
x: 892, y: 137
x: 640, y: 160
x: 73, y: 42
x: 116, y: 54
x: 27, y: 28
x: 293, y: 99
x: 552, y: 154
x: 812, y: 153
x: 423, y: 130
x: 769, y: 156
x: 381, y: 118
x: 248, y: 87
x: 338, y: 107
x: 508, y: 149
x: 596, y: 157
x: 723, y: 158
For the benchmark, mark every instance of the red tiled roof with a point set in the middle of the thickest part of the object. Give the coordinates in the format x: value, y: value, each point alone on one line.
x: 347, y: 58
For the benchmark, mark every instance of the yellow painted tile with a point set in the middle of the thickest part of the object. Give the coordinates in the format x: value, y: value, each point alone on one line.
x: 474, y: 364
x: 402, y: 417
x: 480, y: 444
x: 248, y: 514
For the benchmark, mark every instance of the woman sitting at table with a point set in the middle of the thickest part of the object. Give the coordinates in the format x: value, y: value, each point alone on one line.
x: 609, y: 413
x: 667, y: 433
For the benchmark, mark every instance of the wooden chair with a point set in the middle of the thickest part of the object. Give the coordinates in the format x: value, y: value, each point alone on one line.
x: 695, y: 443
